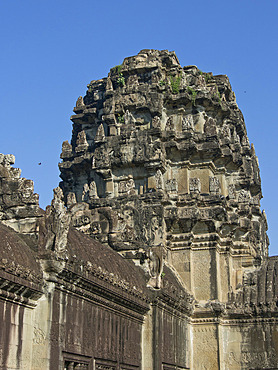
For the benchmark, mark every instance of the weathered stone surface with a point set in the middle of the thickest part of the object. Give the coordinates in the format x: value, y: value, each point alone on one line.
x: 19, y: 206
x: 174, y: 139
x: 175, y: 172
x: 159, y: 174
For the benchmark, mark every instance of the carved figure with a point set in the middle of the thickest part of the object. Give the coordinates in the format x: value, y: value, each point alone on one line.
x: 100, y: 134
x: 85, y: 193
x: 57, y: 223
x: 194, y: 185
x: 126, y: 224
x: 171, y: 185
x: 187, y: 123
x: 81, y: 142
x: 71, y: 199
x: 156, y: 122
x: 109, y: 85
x: 169, y: 124
x: 93, y: 190
x: 80, y: 102
x: 243, y: 196
x: 232, y: 191
x: 225, y: 131
x: 128, y: 118
x: 126, y: 186
x: 214, y: 185
x: 66, y: 150
x: 159, y: 179
x: 210, y: 127
x: 156, y: 262
x: 245, y: 141
x: 7, y: 159
x: 26, y: 189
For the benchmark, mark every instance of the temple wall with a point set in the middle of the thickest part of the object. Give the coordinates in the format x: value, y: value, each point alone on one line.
x: 24, y: 336
x: 249, y: 345
x: 89, y: 333
x: 204, y: 342
x: 171, y: 339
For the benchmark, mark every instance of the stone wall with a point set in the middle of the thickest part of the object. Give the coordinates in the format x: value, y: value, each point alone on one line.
x: 160, y: 258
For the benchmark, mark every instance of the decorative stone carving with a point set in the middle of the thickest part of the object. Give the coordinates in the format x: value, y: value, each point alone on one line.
x: 7, y: 159
x: 93, y: 190
x: 159, y: 179
x: 210, y: 127
x: 89, y: 192
x: 126, y: 224
x: 109, y: 85
x: 214, y: 185
x: 132, y: 80
x: 19, y: 206
x: 171, y: 185
x: 236, y: 138
x: 232, y: 191
x: 81, y: 142
x: 26, y: 189
x: 66, y: 150
x: 243, y: 196
x: 57, y: 223
x: 71, y: 199
x: 100, y: 134
x: 226, y: 132
x: 156, y: 262
x: 194, y: 185
x: 80, y: 102
x: 126, y: 186
x: 187, y: 123
x: 170, y: 124
x: 129, y: 119
x: 245, y: 141
x: 156, y: 122
x: 85, y: 193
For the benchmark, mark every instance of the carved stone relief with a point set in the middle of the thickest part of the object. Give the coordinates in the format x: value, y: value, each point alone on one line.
x: 187, y: 123
x: 243, y: 196
x: 66, y: 150
x: 57, y: 223
x: 214, y: 185
x: 194, y: 185
x: 100, y: 134
x: 80, y: 102
x: 156, y: 122
x: 171, y: 185
x: 81, y: 142
x: 170, y: 124
x: 232, y: 191
x: 210, y: 127
x: 159, y: 179
x: 71, y: 199
x: 126, y: 186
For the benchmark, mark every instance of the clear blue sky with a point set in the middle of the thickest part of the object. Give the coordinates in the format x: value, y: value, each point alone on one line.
x: 51, y: 50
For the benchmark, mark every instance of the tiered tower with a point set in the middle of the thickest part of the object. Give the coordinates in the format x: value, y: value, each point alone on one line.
x: 161, y: 160
x: 160, y: 169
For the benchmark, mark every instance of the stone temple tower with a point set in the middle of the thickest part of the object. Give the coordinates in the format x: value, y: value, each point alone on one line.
x: 159, y: 260
x: 161, y: 160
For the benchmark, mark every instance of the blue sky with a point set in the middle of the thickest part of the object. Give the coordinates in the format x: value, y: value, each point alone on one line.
x: 51, y: 50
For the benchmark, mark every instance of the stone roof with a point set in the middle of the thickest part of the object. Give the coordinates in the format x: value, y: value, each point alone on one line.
x: 16, y: 256
x: 103, y: 260
x: 21, y: 277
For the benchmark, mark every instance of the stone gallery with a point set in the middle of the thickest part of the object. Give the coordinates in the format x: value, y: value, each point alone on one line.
x: 153, y: 253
